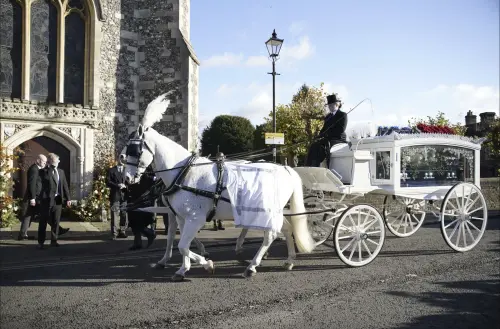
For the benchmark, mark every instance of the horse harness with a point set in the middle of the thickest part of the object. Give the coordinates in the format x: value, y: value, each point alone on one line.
x: 134, y: 148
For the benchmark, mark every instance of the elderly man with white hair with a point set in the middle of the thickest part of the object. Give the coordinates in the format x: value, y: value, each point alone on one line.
x: 54, y: 193
x: 31, y: 202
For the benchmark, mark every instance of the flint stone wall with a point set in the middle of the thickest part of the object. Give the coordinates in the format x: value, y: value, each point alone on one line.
x: 141, y: 59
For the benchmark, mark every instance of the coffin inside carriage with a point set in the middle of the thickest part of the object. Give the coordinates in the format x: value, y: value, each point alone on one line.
x: 407, y: 160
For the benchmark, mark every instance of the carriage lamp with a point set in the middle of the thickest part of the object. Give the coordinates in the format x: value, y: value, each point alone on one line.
x: 273, y: 47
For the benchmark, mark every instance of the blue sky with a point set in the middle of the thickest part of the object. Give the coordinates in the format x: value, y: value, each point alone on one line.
x: 410, y: 58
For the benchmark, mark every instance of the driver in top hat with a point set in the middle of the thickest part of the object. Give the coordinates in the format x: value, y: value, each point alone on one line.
x: 333, y: 132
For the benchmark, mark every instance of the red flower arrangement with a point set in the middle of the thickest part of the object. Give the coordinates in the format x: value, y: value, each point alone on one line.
x: 432, y: 129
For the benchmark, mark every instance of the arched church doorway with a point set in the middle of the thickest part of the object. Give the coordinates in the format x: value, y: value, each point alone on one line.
x: 28, y: 151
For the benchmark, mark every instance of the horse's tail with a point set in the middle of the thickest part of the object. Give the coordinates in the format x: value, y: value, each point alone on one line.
x: 303, y: 238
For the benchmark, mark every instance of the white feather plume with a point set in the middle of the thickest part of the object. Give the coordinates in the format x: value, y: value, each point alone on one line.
x: 155, y: 110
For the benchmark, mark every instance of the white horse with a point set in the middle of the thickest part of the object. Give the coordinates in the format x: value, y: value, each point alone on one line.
x: 171, y: 159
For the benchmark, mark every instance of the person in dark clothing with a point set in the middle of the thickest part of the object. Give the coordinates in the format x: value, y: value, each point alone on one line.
x: 117, y: 200
x: 159, y: 203
x: 54, y: 194
x: 138, y: 220
x: 333, y: 132
x: 31, y: 201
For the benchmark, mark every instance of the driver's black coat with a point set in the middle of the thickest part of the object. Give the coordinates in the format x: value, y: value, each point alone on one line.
x: 140, y: 219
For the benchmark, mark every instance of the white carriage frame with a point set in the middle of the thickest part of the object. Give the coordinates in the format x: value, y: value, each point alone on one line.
x: 356, y: 165
x: 363, y: 152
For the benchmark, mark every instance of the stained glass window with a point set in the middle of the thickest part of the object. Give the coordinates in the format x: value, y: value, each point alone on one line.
x: 43, y: 51
x: 10, y: 48
x: 74, y: 60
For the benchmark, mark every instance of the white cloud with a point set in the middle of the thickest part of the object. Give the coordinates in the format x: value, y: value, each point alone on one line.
x: 257, y: 61
x: 456, y: 100
x: 303, y: 49
x: 453, y: 100
x: 297, y: 28
x: 340, y: 90
x: 289, y: 54
x: 225, y: 90
x: 226, y: 59
x: 259, y: 97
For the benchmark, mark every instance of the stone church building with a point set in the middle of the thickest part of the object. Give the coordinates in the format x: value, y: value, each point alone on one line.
x: 76, y: 77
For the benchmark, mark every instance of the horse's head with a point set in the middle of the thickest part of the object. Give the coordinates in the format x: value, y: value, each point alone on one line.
x: 139, y: 155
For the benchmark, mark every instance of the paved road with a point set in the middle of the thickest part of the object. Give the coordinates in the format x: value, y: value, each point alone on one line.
x: 416, y: 282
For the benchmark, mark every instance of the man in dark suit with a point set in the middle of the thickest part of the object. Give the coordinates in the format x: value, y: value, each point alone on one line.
x: 139, y: 221
x: 53, y: 195
x: 333, y: 132
x: 30, y: 205
x: 117, y: 200
x: 31, y: 201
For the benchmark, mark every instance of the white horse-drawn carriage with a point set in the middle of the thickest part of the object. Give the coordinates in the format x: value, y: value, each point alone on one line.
x: 417, y: 173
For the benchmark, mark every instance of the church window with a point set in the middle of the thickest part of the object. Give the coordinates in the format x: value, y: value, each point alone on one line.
x: 10, y: 49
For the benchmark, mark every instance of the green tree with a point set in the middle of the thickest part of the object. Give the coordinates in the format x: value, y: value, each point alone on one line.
x: 493, y: 142
x: 300, y: 121
x: 233, y: 134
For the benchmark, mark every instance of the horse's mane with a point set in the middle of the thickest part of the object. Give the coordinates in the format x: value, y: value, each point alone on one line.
x: 155, y: 110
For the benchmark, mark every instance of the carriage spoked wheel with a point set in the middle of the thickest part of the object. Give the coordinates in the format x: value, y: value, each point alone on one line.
x: 359, y: 235
x: 403, y: 216
x: 321, y: 226
x: 463, y: 217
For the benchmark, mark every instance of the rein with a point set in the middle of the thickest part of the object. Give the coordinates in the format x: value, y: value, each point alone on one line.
x: 177, y: 185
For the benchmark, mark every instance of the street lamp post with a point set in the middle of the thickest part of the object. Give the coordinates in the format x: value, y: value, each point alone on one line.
x: 273, y: 47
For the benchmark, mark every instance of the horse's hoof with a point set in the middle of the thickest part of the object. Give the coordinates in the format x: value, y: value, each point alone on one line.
x: 159, y: 266
x: 206, y: 254
x: 266, y: 255
x: 249, y: 273
x: 210, y: 267
x: 177, y: 277
x: 288, y: 266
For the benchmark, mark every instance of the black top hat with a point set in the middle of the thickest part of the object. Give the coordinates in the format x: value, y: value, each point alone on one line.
x: 331, y: 99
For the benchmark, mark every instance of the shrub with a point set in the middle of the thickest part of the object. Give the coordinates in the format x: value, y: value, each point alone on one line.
x: 8, y: 205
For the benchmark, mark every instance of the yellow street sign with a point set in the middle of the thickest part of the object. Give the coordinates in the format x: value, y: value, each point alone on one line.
x: 275, y: 138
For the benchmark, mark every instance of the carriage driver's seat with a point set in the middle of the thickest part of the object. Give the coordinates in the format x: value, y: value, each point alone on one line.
x: 338, y: 148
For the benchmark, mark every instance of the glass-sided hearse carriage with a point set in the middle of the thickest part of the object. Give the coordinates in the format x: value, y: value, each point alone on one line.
x: 419, y: 174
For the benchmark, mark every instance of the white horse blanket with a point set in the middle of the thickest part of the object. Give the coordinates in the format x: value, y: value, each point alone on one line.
x: 253, y: 191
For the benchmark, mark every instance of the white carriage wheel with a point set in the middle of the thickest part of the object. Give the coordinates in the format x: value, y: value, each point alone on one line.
x: 359, y: 235
x: 463, y: 217
x: 403, y: 216
x: 321, y: 226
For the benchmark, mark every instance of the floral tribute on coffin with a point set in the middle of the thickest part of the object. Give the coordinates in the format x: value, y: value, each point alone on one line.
x: 8, y: 205
x: 432, y: 125
x: 430, y: 164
